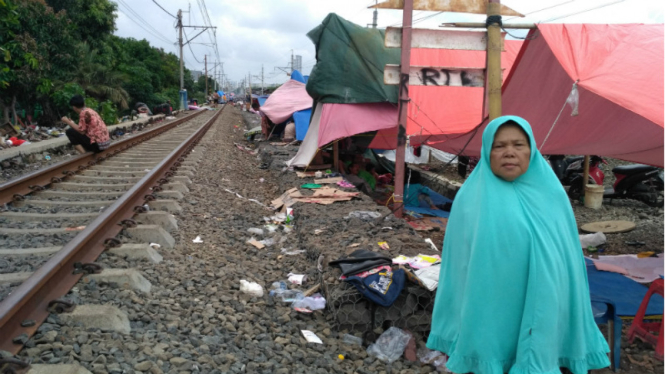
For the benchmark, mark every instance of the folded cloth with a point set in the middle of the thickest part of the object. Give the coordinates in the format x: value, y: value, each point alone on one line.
x: 382, y: 288
x: 359, y: 261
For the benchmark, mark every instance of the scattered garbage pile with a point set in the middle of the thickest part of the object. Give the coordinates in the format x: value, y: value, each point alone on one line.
x: 15, y: 136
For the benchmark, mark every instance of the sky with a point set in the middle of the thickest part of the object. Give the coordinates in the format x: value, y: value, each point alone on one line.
x: 252, y: 35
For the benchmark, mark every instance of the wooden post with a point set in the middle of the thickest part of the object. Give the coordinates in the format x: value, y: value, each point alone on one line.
x: 403, y: 106
x: 205, y: 61
x: 585, y: 177
x: 336, y: 156
x: 494, y: 80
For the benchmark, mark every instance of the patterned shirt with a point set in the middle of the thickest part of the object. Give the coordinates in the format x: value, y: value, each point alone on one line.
x: 92, y: 125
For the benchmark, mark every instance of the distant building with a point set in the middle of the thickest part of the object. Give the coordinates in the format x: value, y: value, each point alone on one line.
x: 196, y: 75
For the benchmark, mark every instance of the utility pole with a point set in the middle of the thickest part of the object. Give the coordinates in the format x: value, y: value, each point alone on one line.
x: 180, y: 27
x: 182, y: 78
x: 403, y: 107
x: 205, y: 62
x: 375, y: 16
x: 262, y: 77
x: 494, y: 58
x: 292, y: 61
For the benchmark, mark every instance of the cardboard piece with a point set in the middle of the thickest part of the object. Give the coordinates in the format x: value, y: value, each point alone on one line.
x: 285, y: 199
x: 436, y: 222
x: 328, y: 180
x: 256, y: 243
x: 305, y: 174
x: 420, y: 225
x: 326, y: 196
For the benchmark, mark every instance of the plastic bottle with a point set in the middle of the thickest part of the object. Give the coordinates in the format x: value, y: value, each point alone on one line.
x: 287, y: 296
x: 352, y: 340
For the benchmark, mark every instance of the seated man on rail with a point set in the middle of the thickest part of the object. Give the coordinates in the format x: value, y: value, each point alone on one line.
x: 91, y: 134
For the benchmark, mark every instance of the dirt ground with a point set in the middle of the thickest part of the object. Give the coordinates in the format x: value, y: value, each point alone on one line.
x: 636, y: 357
x: 197, y: 319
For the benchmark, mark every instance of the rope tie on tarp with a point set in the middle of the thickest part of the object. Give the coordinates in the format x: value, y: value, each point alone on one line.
x: 573, y: 99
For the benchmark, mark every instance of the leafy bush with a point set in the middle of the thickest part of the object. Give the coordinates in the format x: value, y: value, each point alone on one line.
x: 61, y: 97
x: 108, y: 113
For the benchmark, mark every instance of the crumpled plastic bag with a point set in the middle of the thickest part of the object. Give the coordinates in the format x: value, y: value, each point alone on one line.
x: 436, y: 358
x: 390, y: 345
x: 593, y: 240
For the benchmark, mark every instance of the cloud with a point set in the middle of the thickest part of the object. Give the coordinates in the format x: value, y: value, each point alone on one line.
x: 252, y: 33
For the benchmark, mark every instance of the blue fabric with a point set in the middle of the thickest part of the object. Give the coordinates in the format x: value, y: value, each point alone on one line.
x: 297, y: 76
x: 513, y: 293
x: 262, y: 99
x: 301, y: 120
x: 382, y: 288
x: 626, y: 294
x: 428, y: 211
x: 411, y: 202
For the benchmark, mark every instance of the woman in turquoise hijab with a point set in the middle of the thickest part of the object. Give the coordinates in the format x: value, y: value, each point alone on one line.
x: 513, y: 294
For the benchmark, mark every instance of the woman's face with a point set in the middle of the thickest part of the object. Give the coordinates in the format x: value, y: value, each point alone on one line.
x: 510, y: 153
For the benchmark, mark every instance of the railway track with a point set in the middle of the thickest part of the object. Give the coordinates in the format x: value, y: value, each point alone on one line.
x: 57, y: 221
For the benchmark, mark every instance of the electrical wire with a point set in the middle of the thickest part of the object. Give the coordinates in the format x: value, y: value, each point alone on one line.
x: 190, y: 47
x: 584, y: 11
x: 167, y: 12
x: 132, y: 16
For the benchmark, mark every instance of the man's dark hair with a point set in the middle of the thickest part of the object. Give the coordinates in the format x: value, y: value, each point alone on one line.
x: 370, y: 167
x: 77, y: 101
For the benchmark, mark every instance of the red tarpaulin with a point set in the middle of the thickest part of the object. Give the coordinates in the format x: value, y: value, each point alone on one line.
x: 437, y: 110
x: 619, y: 74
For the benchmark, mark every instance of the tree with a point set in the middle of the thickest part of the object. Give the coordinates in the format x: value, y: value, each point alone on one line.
x: 100, y: 81
x: 93, y: 20
x: 40, y: 52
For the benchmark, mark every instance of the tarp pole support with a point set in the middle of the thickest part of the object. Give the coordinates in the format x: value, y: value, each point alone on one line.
x: 403, y: 108
x: 336, y: 156
x: 494, y: 58
x: 585, y: 177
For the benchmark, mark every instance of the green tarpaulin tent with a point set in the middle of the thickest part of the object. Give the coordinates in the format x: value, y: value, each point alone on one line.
x: 350, y: 63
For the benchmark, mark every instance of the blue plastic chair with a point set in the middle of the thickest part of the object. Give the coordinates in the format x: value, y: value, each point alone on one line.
x: 604, y: 312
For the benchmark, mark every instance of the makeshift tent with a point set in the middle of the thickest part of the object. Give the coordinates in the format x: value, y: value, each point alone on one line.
x: 301, y: 119
x: 337, y: 121
x: 350, y: 62
x: 349, y: 69
x: 289, y: 99
x: 262, y: 99
x: 619, y: 75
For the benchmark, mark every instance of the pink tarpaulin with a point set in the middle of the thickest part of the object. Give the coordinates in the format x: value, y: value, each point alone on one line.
x: 343, y: 120
x: 286, y: 100
x: 619, y: 75
x: 437, y: 110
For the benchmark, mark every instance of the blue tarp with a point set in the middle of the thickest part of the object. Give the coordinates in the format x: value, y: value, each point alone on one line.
x: 262, y: 99
x: 301, y: 120
x: 437, y: 199
x: 626, y: 294
x: 297, y: 76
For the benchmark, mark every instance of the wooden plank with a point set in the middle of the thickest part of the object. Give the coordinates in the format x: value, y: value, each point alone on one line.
x: 439, y: 39
x: 437, y: 76
x: 461, y: 6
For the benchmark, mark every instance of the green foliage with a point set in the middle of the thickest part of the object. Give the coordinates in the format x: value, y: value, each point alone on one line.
x: 108, y: 112
x: 61, y: 97
x: 51, y: 50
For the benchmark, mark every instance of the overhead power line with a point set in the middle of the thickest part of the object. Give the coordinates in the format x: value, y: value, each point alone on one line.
x: 142, y: 24
x: 167, y: 12
x: 584, y: 11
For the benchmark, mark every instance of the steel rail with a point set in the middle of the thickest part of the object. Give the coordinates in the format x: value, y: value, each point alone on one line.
x: 16, y: 189
x: 26, y: 308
